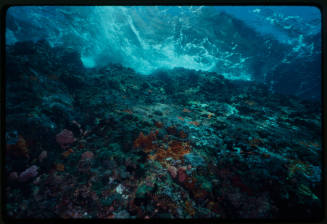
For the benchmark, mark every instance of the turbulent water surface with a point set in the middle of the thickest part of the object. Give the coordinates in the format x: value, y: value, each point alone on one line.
x: 247, y: 43
x: 163, y: 112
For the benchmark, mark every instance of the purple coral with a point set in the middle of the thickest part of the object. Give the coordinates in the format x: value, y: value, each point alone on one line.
x: 64, y: 138
x: 28, y: 174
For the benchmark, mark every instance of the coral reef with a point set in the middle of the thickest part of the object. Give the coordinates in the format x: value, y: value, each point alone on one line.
x: 99, y: 144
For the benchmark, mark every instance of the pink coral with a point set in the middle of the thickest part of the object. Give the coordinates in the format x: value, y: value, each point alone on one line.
x: 87, y: 155
x: 28, y: 174
x: 64, y: 138
x: 173, y: 171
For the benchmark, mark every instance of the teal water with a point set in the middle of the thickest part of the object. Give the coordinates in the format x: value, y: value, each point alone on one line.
x: 149, y: 38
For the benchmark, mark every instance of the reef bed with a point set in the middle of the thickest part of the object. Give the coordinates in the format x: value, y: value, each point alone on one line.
x: 111, y: 143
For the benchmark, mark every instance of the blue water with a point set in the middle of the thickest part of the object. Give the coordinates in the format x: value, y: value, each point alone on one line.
x: 247, y: 44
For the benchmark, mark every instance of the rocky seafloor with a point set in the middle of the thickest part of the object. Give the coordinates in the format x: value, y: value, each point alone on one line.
x: 111, y: 143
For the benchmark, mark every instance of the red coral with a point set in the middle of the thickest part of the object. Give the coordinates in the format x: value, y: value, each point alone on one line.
x: 64, y: 138
x: 182, y: 174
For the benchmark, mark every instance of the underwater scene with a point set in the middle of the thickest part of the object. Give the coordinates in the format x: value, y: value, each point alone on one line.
x: 171, y: 112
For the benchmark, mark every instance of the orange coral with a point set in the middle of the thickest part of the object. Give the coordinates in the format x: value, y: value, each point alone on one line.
x: 53, y: 77
x: 67, y: 153
x: 166, y: 138
x: 250, y: 102
x: 146, y: 142
x: 266, y: 155
x: 194, y: 123
x: 297, y: 165
x: 160, y: 155
x: 33, y: 78
x: 21, y: 144
x: 60, y: 167
x: 310, y: 144
x: 180, y: 118
x: 182, y: 134
x: 176, y: 150
x: 200, y: 194
x: 189, y: 209
x: 315, y: 144
x: 186, y: 110
x: 158, y: 124
x: 213, y: 206
x: 19, y: 149
x: 165, y: 203
x: 255, y: 142
x: 128, y: 111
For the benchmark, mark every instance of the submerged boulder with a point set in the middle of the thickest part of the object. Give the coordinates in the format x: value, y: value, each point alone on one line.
x: 194, y: 159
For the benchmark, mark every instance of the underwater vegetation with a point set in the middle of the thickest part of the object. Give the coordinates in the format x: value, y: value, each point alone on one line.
x: 110, y: 142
